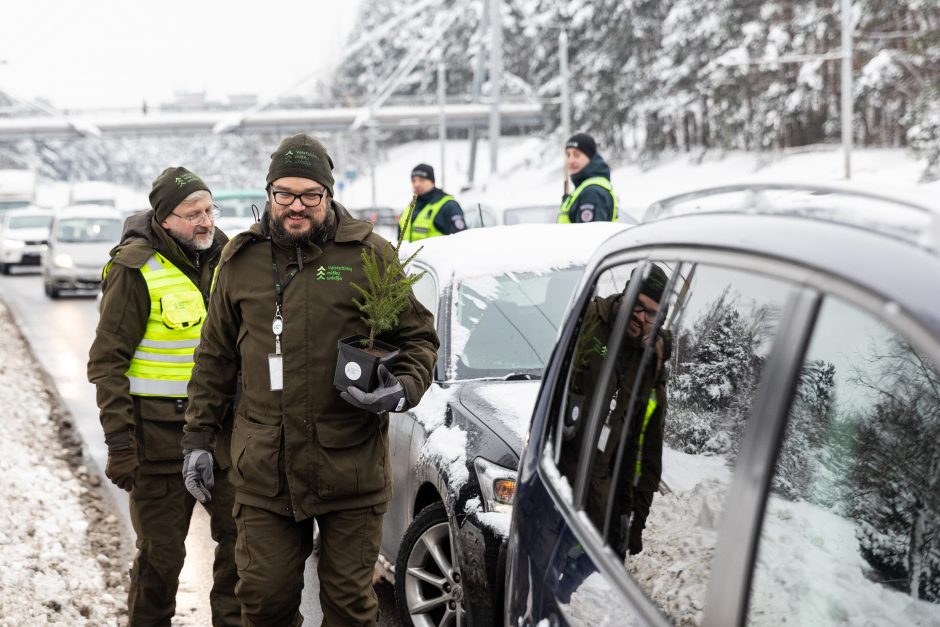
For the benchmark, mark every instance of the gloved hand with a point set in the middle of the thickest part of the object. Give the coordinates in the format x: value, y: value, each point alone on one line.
x: 198, y: 476
x: 635, y: 541
x: 389, y: 396
x: 122, y: 464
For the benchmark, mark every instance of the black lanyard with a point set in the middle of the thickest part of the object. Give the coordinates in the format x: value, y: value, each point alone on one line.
x: 278, y: 288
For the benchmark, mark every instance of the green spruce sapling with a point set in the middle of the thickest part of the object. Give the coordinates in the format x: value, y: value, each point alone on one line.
x: 387, y: 288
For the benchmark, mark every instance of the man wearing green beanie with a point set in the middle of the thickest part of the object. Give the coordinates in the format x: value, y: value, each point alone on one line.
x: 283, y: 298
x: 154, y: 297
x: 642, y: 467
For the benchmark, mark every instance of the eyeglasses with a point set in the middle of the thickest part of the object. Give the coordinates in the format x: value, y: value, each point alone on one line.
x: 649, y: 314
x: 202, y: 216
x: 307, y: 199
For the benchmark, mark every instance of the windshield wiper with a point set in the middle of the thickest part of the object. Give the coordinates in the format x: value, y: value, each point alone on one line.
x: 522, y: 376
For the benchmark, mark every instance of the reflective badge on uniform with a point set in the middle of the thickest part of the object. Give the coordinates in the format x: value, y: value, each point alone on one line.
x: 587, y: 213
x: 459, y: 223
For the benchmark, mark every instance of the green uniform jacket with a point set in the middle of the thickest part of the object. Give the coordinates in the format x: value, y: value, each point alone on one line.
x: 624, y: 374
x: 125, y: 306
x: 303, y: 450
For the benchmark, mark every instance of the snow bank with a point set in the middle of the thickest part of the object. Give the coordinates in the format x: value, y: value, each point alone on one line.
x: 58, y: 567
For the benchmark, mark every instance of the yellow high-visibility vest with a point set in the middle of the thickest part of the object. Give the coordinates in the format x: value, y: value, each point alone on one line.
x: 566, y: 206
x: 650, y: 410
x: 422, y: 226
x: 163, y: 361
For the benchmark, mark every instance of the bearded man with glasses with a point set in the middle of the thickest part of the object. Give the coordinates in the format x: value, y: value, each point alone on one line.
x: 305, y: 451
x: 154, y: 298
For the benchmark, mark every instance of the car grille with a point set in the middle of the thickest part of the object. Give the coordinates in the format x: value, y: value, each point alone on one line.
x: 37, y: 242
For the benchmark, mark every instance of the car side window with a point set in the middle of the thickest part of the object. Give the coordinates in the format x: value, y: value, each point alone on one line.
x: 659, y: 459
x: 851, y: 531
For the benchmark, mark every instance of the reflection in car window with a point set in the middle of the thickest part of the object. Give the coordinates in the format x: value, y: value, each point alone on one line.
x: 508, y: 324
x: 678, y: 429
x: 74, y: 230
x: 30, y: 222
x: 854, y: 504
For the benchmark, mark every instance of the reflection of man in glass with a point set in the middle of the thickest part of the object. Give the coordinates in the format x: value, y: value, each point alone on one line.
x: 641, y: 467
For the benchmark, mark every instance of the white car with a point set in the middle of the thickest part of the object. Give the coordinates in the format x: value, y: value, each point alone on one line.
x: 79, y: 246
x: 24, y: 234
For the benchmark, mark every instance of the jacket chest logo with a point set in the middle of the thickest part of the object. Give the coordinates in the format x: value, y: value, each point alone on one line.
x: 333, y: 273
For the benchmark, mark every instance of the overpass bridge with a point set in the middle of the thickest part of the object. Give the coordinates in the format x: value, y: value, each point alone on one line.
x: 282, y: 121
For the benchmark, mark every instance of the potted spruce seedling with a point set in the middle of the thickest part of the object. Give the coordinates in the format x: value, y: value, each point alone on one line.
x: 384, y: 297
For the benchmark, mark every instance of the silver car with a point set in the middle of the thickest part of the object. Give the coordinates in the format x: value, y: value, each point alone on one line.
x: 78, y: 248
x: 24, y: 234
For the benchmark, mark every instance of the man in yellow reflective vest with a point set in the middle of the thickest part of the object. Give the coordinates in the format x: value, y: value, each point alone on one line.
x: 155, y: 292
x: 435, y: 212
x: 593, y: 198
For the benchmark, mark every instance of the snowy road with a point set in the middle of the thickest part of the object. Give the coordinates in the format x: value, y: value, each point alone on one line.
x: 60, y: 333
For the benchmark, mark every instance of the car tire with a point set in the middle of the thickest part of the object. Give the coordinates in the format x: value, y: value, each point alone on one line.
x: 51, y: 291
x: 428, y: 589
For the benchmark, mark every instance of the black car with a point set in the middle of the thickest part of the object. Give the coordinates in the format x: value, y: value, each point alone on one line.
x: 799, y: 458
x: 498, y: 306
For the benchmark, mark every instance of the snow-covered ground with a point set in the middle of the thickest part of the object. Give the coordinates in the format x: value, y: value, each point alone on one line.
x: 60, y: 547
x: 530, y: 173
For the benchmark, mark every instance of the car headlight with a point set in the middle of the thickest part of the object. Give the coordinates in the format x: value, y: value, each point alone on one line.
x: 497, y: 485
x: 14, y: 244
x: 63, y: 260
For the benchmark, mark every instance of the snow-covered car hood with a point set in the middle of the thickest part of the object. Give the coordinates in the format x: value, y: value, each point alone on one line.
x: 505, y: 406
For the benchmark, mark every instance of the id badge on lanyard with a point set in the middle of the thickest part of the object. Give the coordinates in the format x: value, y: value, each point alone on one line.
x: 276, y: 359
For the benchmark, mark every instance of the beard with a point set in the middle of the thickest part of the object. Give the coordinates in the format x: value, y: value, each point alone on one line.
x: 318, y: 231
x: 200, y: 240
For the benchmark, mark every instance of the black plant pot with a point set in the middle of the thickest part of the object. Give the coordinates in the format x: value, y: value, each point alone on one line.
x: 356, y: 367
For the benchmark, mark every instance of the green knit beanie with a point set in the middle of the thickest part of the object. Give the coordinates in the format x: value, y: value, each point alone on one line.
x: 302, y: 156
x: 170, y: 189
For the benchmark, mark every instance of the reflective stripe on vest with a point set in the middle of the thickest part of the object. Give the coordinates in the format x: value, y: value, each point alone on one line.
x: 422, y: 226
x: 600, y: 181
x: 650, y: 410
x: 163, y: 361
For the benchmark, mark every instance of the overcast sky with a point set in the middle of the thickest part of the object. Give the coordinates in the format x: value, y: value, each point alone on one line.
x: 104, y: 53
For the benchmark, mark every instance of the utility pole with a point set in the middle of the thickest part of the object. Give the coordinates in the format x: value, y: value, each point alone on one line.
x: 496, y: 77
x: 441, y: 97
x: 476, y: 90
x: 847, y: 107
x: 565, y: 84
x: 372, y: 156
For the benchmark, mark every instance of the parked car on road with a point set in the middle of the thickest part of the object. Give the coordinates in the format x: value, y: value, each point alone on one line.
x: 546, y: 214
x: 384, y: 219
x: 79, y: 244
x: 497, y: 306
x: 800, y: 450
x: 236, y: 205
x: 24, y: 234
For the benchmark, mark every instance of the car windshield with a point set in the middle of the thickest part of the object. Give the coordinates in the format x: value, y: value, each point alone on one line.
x: 526, y: 215
x: 240, y: 207
x: 506, y: 325
x: 89, y: 230
x: 13, y: 204
x: 30, y: 222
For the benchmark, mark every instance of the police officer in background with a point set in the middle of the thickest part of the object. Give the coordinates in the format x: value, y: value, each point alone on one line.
x: 154, y: 298
x: 435, y: 213
x: 593, y: 198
